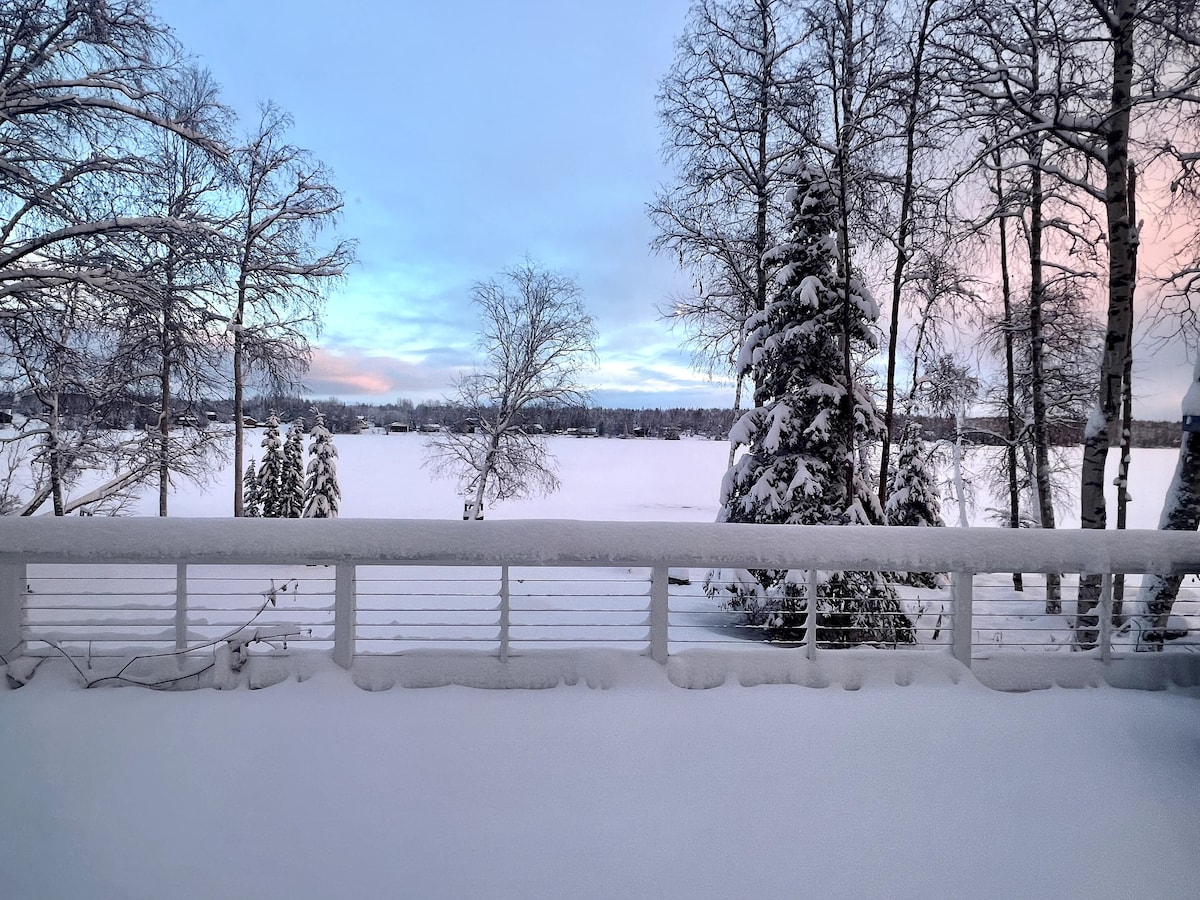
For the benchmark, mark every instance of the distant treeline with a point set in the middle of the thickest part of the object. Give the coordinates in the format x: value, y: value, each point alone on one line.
x: 660, y: 423
x: 349, y: 418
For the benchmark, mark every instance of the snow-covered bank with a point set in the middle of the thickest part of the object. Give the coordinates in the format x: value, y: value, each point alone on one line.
x: 642, y: 790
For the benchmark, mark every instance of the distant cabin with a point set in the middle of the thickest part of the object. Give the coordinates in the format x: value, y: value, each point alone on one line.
x: 398, y: 428
x: 430, y: 427
x: 187, y: 420
x: 6, y: 416
x: 211, y: 415
x: 250, y: 421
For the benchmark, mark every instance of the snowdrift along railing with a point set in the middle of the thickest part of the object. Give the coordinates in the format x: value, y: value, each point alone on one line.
x: 520, y: 585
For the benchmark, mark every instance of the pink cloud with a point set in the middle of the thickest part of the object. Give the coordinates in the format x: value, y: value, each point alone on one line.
x: 357, y: 375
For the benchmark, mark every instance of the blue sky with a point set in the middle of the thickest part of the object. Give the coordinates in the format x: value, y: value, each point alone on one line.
x: 465, y: 135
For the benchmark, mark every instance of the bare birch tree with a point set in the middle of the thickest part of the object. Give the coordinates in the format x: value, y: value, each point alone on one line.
x: 536, y: 339
x: 81, y: 89
x: 730, y: 108
x: 171, y: 330
x: 281, y: 272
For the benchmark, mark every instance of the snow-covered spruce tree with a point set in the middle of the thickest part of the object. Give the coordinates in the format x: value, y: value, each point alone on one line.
x: 1180, y: 512
x: 321, y: 492
x: 799, y: 438
x: 913, y: 495
x: 270, y: 471
x: 252, y: 503
x: 291, y: 478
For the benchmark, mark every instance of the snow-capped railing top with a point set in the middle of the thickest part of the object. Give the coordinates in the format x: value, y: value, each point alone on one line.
x: 569, y: 542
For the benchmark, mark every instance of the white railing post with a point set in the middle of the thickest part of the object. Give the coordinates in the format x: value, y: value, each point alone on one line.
x: 12, y: 608
x: 181, y: 606
x: 1106, y: 604
x: 343, y: 614
x: 505, y: 609
x: 962, y: 592
x: 659, y: 613
x: 810, y: 626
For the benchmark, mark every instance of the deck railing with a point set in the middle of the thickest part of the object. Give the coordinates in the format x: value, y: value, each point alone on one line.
x: 365, y: 587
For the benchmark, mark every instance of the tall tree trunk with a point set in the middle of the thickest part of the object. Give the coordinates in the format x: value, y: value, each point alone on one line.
x: 737, y: 408
x: 476, y: 510
x: 239, y: 426
x: 843, y: 112
x: 1010, y: 380
x: 1037, y: 376
x: 166, y: 351
x: 906, y: 204
x: 239, y: 377
x: 1118, y: 607
x: 1103, y: 421
x: 1181, y: 512
x: 956, y: 455
x: 164, y: 436
x: 56, y: 460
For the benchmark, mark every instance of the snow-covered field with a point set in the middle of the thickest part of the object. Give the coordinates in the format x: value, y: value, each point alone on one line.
x: 381, y: 476
x: 901, y: 777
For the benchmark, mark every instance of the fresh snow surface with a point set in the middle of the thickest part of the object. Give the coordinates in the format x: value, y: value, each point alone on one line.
x: 890, y: 776
x: 323, y: 790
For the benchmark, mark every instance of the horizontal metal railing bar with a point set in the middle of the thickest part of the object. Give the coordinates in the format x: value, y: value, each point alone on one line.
x: 365, y: 542
x: 579, y: 640
x: 121, y: 593
x: 573, y: 610
x: 372, y: 582
x: 495, y: 624
x: 269, y: 611
x: 408, y: 638
x: 123, y: 608
x: 379, y: 610
x: 516, y: 625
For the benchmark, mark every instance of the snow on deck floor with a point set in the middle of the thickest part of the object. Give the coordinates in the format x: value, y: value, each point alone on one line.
x: 942, y: 788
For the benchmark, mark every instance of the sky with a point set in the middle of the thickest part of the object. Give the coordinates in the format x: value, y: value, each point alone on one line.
x: 467, y: 135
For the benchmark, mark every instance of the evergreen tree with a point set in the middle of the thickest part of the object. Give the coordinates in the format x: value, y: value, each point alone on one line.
x: 291, y: 478
x: 913, y: 495
x: 270, y: 472
x: 252, y: 505
x: 321, y: 493
x: 799, y: 439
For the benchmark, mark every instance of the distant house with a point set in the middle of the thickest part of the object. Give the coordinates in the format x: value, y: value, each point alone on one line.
x: 211, y: 415
x: 187, y: 420
x: 430, y: 427
x: 6, y: 416
x: 398, y: 428
x: 250, y: 421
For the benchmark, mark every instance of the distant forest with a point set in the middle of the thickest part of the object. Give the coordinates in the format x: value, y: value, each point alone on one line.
x: 351, y: 418
x: 348, y: 418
